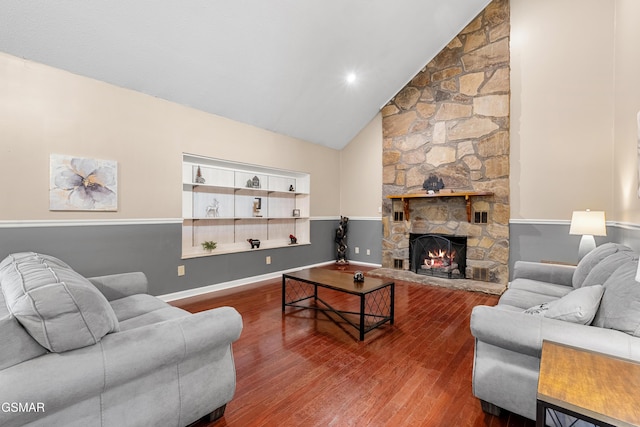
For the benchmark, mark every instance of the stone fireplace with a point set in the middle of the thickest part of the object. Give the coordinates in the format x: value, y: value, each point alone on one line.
x: 451, y: 121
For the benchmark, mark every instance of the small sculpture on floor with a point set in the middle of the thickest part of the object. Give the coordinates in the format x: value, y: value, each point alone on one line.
x: 341, y: 241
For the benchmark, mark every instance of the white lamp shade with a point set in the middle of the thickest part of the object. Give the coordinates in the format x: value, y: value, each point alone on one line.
x: 588, y: 222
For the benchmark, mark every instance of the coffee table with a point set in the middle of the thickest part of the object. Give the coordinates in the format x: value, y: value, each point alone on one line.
x: 376, y: 296
x: 591, y: 386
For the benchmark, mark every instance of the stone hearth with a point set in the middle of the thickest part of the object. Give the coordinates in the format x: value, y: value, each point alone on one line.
x: 452, y: 121
x: 461, y: 284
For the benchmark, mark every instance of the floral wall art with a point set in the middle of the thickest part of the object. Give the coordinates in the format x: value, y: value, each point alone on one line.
x: 82, y: 184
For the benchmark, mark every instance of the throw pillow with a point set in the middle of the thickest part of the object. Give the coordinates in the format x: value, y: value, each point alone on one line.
x: 57, y: 306
x: 605, y: 268
x: 592, y: 259
x: 620, y: 306
x: 578, y: 306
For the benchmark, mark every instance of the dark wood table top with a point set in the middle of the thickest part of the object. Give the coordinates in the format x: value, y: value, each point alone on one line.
x: 338, y: 280
x: 599, y: 386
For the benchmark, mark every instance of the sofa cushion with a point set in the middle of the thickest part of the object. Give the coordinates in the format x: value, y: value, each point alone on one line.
x: 17, y: 345
x: 59, y: 308
x: 524, y: 299
x: 545, y: 288
x: 593, y: 258
x: 605, y: 268
x: 579, y: 306
x: 620, y: 305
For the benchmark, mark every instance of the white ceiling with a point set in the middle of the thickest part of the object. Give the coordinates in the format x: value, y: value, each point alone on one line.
x: 276, y: 64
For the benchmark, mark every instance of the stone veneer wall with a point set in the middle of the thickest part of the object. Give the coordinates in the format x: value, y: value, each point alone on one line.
x: 452, y: 120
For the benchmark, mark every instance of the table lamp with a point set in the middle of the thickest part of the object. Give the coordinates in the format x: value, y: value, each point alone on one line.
x: 587, y: 223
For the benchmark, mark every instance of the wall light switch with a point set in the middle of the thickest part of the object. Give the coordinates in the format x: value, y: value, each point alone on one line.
x: 268, y: 260
x: 181, y: 270
x: 368, y: 251
x: 357, y: 250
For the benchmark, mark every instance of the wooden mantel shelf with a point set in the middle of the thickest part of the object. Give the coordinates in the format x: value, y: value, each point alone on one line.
x: 466, y: 194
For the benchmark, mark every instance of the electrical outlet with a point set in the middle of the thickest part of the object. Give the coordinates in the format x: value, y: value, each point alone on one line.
x: 368, y: 251
x: 181, y: 270
x: 357, y: 249
x: 268, y: 260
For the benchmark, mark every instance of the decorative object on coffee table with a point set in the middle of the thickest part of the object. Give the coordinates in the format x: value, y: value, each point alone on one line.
x: 341, y: 241
x: 358, y: 276
x: 255, y: 243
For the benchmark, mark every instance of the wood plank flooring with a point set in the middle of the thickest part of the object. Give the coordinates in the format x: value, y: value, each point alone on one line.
x: 301, y: 369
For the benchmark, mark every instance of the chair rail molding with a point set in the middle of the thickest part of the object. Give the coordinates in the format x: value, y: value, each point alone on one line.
x: 86, y: 222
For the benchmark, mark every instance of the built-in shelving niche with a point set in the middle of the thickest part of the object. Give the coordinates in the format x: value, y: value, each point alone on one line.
x: 230, y: 202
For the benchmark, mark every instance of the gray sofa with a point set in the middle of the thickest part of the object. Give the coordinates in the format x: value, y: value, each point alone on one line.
x: 102, y: 352
x: 594, y: 305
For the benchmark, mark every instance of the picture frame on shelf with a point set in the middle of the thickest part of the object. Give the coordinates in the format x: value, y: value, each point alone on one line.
x: 296, y: 213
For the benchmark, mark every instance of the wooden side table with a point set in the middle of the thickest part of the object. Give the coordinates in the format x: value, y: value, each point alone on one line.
x: 591, y: 386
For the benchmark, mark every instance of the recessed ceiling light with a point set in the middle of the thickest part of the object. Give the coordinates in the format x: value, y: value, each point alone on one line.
x: 351, y: 78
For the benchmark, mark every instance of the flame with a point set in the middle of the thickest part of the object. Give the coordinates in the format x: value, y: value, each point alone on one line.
x: 440, y: 258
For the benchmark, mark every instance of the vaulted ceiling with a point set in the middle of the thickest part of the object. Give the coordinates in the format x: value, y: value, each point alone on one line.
x: 281, y: 65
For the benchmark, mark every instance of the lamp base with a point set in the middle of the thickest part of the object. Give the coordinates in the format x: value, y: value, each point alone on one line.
x: 587, y: 244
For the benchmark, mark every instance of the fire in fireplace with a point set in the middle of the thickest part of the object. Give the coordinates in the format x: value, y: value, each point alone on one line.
x: 438, y: 255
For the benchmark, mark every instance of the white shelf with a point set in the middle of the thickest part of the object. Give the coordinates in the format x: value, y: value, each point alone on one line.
x: 222, y: 208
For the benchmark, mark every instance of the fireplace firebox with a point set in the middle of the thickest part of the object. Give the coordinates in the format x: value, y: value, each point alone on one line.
x: 438, y: 255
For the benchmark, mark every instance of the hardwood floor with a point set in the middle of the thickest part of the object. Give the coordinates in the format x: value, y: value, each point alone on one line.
x: 301, y: 369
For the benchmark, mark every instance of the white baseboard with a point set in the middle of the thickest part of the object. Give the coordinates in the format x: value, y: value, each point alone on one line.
x: 245, y: 281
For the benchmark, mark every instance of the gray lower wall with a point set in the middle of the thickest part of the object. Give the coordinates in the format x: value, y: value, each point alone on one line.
x: 155, y: 249
x: 552, y: 242
x: 364, y: 234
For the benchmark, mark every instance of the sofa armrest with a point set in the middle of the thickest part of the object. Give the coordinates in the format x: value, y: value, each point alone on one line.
x: 59, y: 379
x: 524, y: 333
x: 127, y: 354
x: 551, y: 273
x: 511, y: 330
x: 116, y: 286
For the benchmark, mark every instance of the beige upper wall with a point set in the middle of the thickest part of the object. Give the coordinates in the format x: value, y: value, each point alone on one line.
x: 44, y: 110
x: 361, y: 173
x: 562, y: 128
x: 562, y: 106
x: 627, y: 107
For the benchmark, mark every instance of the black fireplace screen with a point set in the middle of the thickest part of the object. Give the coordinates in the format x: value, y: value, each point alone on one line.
x: 438, y: 255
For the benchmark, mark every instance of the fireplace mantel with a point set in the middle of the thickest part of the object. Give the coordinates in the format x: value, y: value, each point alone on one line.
x: 466, y: 194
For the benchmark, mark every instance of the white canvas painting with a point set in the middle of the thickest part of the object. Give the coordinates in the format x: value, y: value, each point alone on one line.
x: 82, y: 184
